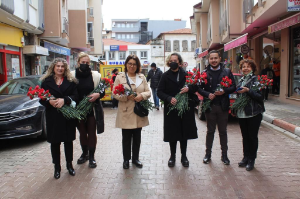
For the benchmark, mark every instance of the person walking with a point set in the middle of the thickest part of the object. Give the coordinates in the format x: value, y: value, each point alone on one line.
x: 130, y: 123
x: 218, y: 114
x: 61, y: 84
x: 88, y: 81
x: 251, y: 116
x: 114, y: 101
x: 155, y: 76
x: 177, y: 128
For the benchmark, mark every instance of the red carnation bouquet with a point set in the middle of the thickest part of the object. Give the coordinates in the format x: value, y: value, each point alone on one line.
x: 226, y: 82
x: 67, y: 111
x: 84, y: 106
x: 243, y: 99
x: 182, y: 104
x: 122, y: 91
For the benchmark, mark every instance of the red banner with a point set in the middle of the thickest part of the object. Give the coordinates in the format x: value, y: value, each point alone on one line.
x: 123, y: 48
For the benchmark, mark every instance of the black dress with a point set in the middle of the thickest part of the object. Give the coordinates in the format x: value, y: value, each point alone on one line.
x: 59, y: 129
x: 177, y: 128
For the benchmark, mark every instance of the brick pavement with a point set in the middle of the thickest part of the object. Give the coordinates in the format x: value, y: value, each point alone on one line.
x: 27, y: 172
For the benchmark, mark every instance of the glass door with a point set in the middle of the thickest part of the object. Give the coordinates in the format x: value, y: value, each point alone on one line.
x: 295, y: 62
x: 2, y: 72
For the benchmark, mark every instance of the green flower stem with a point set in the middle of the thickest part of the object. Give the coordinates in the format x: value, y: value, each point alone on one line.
x: 182, y: 104
x: 206, y: 105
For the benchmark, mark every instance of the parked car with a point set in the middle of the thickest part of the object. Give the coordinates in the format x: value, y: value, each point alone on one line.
x: 232, y: 98
x: 20, y: 116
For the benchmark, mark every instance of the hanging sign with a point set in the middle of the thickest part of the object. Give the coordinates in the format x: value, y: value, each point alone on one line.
x: 244, y: 49
x: 293, y: 5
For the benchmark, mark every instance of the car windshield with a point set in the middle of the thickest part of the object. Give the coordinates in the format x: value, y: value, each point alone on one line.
x: 19, y: 86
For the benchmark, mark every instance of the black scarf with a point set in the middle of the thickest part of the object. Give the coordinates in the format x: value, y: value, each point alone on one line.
x: 83, y: 73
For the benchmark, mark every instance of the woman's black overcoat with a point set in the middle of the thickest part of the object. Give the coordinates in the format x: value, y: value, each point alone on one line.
x: 175, y: 127
x: 59, y: 129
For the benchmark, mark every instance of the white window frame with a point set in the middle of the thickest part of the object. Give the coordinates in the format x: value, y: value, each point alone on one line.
x: 123, y: 36
x: 132, y: 52
x: 111, y: 55
x: 91, y: 13
x: 122, y: 55
x: 144, y: 55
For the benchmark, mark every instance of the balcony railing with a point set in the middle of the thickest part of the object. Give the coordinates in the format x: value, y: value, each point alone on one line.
x: 223, y: 23
x: 65, y: 25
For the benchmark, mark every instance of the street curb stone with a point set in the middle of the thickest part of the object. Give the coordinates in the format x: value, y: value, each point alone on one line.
x: 268, y: 118
x: 285, y: 125
x: 297, y: 131
x: 280, y: 130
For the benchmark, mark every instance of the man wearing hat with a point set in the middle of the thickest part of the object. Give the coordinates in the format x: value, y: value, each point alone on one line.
x: 155, y: 75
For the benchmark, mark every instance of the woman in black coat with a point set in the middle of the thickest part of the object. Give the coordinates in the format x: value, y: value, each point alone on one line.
x: 61, y: 84
x: 177, y: 128
x: 251, y: 116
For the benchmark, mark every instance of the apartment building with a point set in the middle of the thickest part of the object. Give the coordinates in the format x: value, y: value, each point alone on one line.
x: 181, y: 41
x: 20, y: 22
x: 258, y: 29
x: 143, y: 30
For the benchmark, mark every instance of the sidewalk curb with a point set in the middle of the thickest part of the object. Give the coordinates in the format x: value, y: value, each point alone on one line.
x: 282, y: 124
x: 280, y: 130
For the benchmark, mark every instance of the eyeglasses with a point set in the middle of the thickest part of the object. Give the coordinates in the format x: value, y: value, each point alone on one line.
x: 131, y: 64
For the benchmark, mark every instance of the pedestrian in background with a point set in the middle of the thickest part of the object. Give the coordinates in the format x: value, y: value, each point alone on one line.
x: 155, y: 76
x: 130, y: 123
x: 177, y: 128
x: 114, y: 101
x: 218, y: 114
x: 88, y: 81
x: 276, y: 79
x: 61, y: 84
x: 250, y: 117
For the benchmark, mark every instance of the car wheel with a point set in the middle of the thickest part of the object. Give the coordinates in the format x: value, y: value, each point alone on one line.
x: 44, y: 126
x: 201, y: 115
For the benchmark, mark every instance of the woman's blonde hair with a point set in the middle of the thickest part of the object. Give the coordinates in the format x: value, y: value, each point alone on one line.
x: 81, y: 55
x: 67, y: 73
x: 178, y: 56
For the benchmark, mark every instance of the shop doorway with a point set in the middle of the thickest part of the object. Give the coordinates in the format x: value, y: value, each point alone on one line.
x: 28, y: 64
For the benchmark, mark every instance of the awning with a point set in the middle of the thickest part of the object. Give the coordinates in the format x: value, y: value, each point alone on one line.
x: 285, y: 23
x: 35, y: 50
x: 204, y: 53
x: 92, y: 58
x: 236, y: 43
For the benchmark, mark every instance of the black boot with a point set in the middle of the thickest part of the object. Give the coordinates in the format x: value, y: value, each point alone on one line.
x: 225, y: 159
x: 92, y: 161
x: 244, y: 162
x: 70, y: 168
x: 184, y: 161
x: 171, y: 162
x: 57, y: 170
x: 250, y: 165
x: 84, y: 156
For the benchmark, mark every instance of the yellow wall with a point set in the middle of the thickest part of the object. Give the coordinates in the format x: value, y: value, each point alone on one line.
x: 10, y: 35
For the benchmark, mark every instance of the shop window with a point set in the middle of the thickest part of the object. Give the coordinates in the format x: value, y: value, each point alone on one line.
x: 168, y: 46
x: 184, y: 46
x: 111, y: 55
x: 176, y: 46
x: 122, y: 55
x: 123, y: 36
x: 143, y: 54
x: 13, y: 66
x: 295, y: 89
x: 193, y: 45
x: 91, y: 12
x: 103, y: 57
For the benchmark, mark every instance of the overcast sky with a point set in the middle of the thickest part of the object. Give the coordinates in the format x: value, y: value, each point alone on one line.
x: 152, y: 9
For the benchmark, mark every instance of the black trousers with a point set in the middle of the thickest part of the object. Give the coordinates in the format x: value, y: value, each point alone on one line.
x: 183, y: 147
x: 115, y: 102
x: 266, y: 92
x: 55, y: 152
x: 216, y: 117
x: 135, y: 136
x: 249, y: 128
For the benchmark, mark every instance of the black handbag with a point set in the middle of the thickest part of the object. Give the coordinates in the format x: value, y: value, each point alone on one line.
x: 139, y: 110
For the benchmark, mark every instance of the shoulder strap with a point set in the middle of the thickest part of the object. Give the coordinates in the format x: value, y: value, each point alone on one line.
x: 128, y: 81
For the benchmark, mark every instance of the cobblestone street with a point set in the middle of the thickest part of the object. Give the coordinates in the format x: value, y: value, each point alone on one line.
x: 27, y: 171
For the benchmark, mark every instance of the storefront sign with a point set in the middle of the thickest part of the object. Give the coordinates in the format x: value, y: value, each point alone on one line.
x: 118, y: 48
x: 116, y: 63
x: 295, y: 19
x: 293, y: 5
x: 204, y: 53
x: 57, y: 49
x: 244, y: 49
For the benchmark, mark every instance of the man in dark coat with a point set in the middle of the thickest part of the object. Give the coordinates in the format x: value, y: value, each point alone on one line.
x: 219, y: 106
x: 177, y: 128
x: 155, y: 75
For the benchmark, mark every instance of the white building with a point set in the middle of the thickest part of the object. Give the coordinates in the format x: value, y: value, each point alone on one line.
x: 181, y: 41
x: 116, y: 52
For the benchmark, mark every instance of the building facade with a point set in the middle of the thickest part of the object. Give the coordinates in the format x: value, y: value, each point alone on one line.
x: 143, y: 30
x: 116, y: 52
x: 20, y: 22
x: 258, y: 29
x: 181, y: 41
